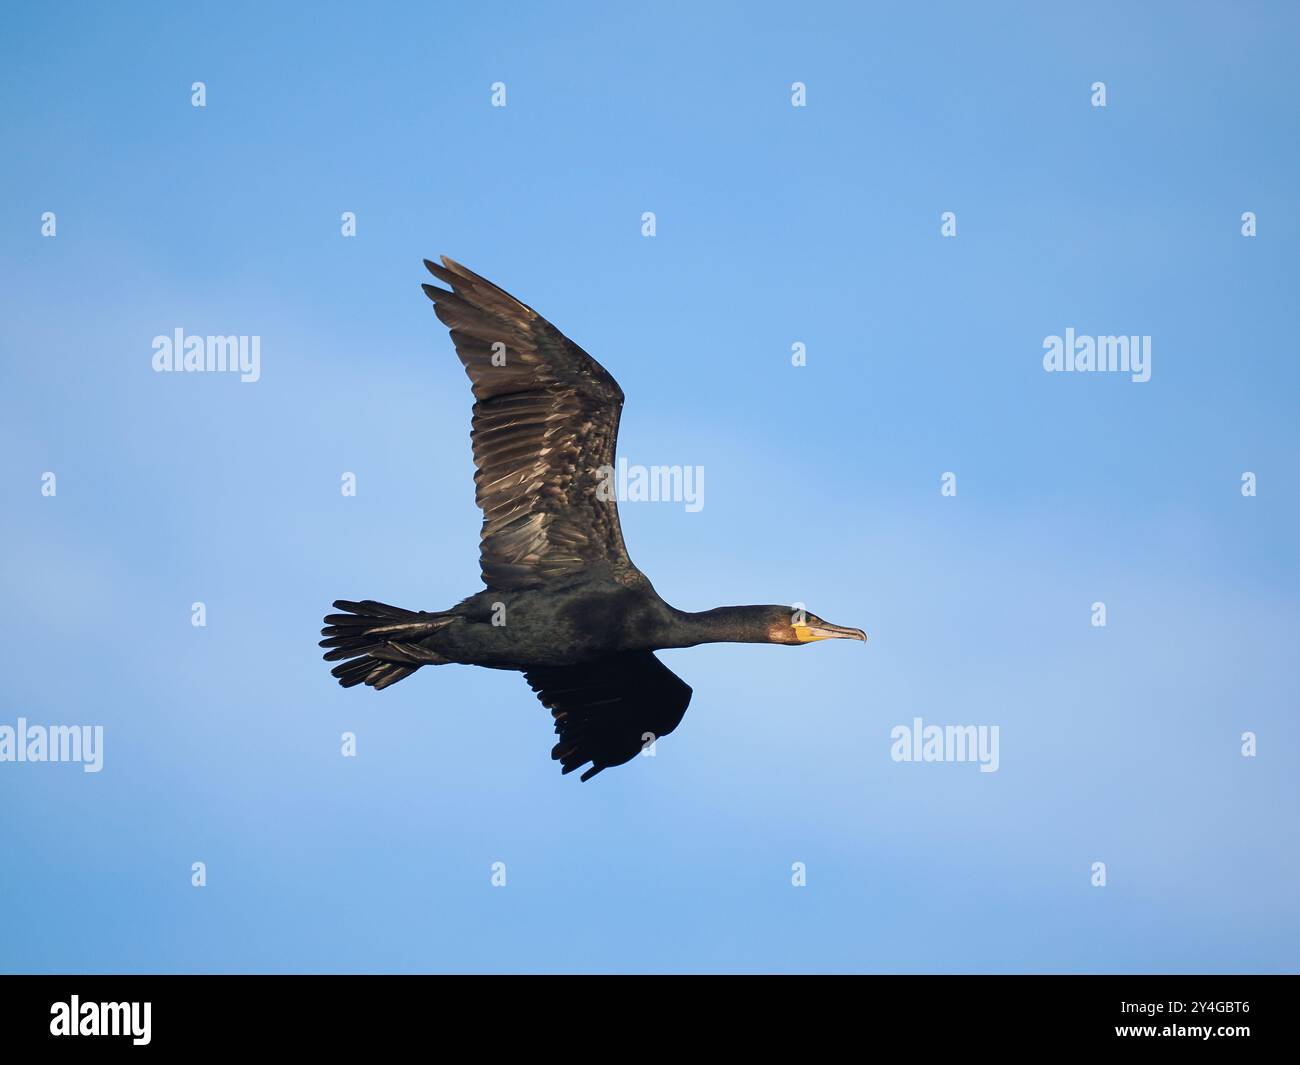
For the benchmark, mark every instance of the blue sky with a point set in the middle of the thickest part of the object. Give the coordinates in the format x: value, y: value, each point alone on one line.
x: 775, y: 225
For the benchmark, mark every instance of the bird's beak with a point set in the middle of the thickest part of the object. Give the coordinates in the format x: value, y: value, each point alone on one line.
x: 825, y: 631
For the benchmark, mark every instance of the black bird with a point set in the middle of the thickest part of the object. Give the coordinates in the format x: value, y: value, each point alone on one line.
x: 564, y: 604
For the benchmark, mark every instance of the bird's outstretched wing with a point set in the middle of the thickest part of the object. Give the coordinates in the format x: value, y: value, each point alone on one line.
x: 606, y: 711
x: 545, y: 423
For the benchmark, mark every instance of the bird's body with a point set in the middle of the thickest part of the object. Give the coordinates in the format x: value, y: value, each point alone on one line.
x: 573, y: 620
x: 564, y: 604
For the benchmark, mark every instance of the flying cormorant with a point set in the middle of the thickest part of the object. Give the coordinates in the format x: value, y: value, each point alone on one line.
x: 564, y: 604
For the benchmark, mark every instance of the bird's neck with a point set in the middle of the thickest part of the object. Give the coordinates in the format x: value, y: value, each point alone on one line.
x: 724, y: 624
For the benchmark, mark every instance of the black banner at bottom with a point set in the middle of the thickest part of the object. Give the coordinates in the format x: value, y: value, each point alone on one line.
x: 1229, y: 1014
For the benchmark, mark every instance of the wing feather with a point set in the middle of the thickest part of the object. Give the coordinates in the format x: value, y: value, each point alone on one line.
x: 606, y: 711
x: 545, y: 424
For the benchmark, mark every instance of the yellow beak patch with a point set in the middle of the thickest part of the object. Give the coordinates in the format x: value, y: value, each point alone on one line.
x: 804, y: 634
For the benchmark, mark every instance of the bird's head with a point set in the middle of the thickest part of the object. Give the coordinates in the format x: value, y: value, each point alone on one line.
x: 798, y: 626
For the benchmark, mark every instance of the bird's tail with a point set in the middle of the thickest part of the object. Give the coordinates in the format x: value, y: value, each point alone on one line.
x: 383, y: 643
